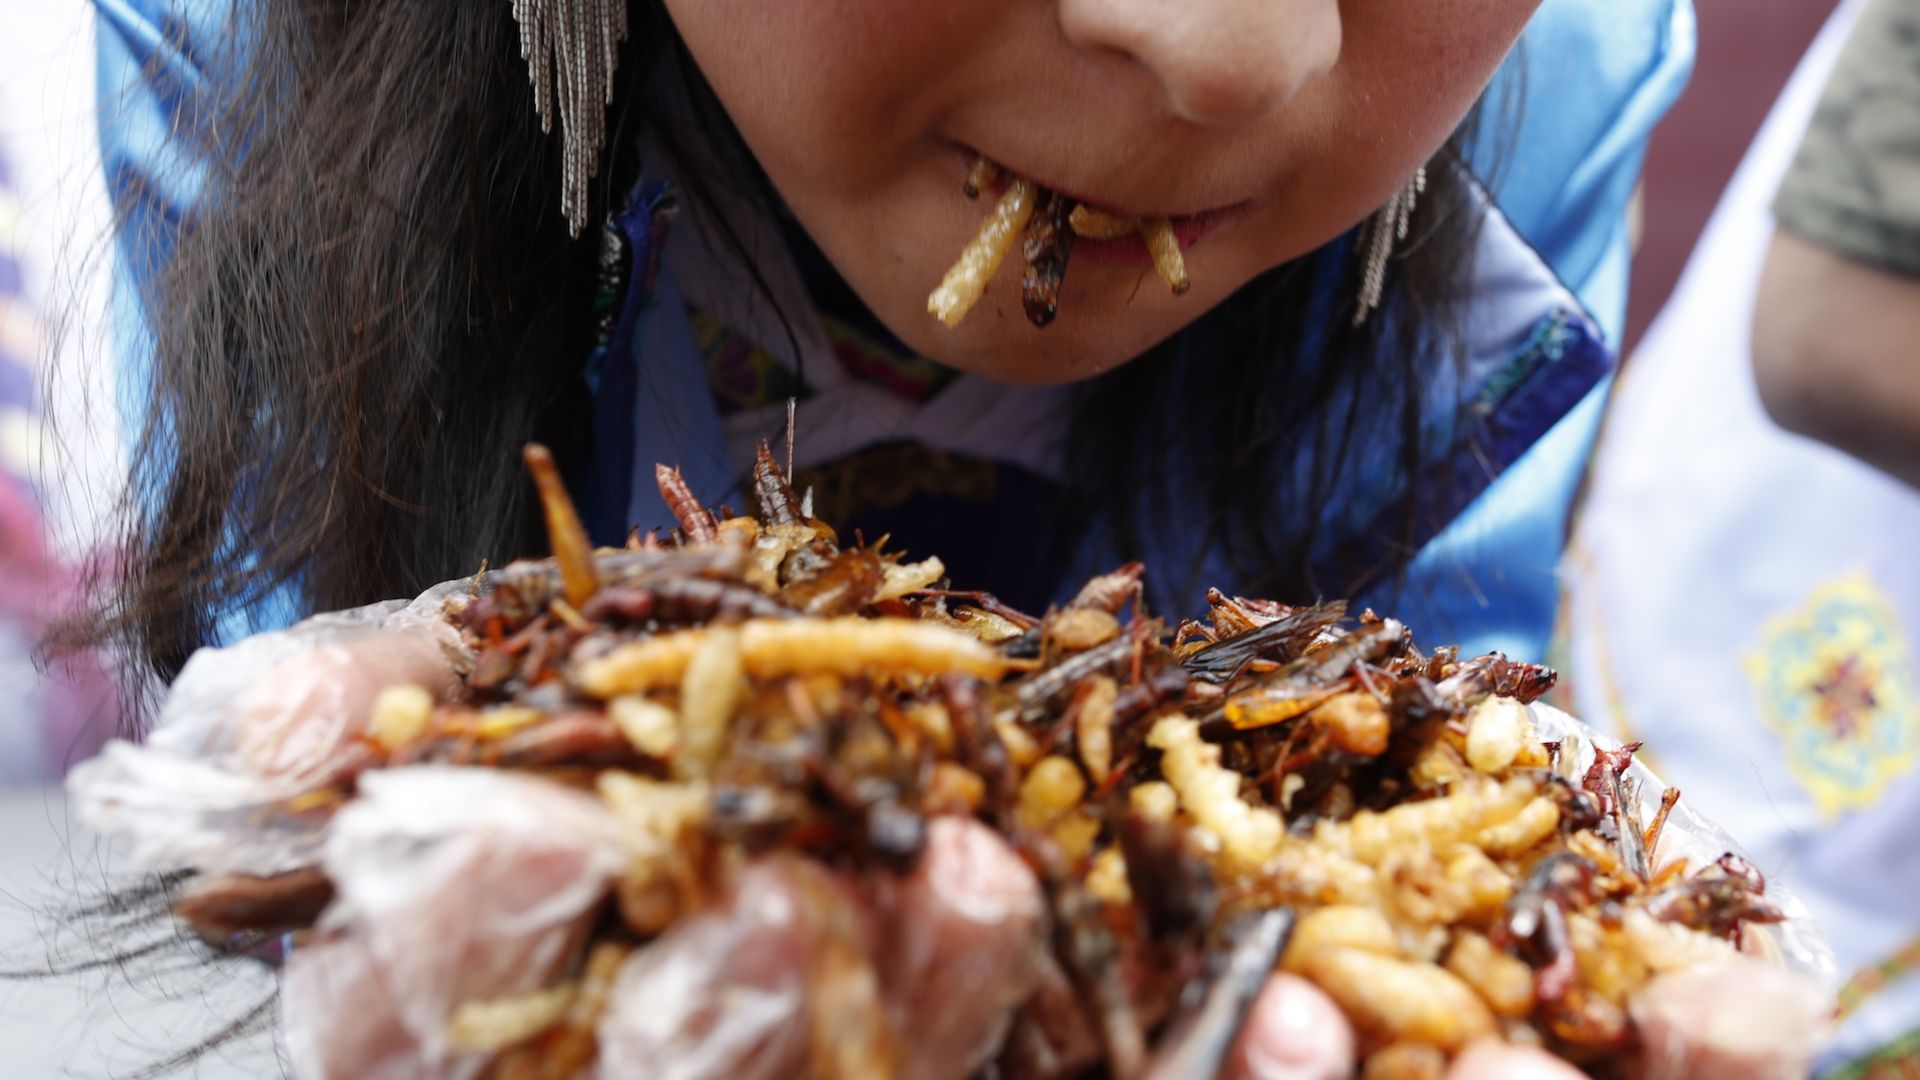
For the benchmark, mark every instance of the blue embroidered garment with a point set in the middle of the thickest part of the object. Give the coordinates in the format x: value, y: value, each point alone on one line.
x: 1593, y: 78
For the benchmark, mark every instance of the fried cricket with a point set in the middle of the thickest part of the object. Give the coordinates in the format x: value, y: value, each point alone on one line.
x: 1047, y: 246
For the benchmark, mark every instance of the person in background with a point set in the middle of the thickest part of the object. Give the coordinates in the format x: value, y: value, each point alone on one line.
x: 1837, y: 327
x: 1746, y: 600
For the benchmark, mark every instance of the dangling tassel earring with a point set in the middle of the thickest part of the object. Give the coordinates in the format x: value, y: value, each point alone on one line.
x: 1388, y: 227
x: 571, y: 47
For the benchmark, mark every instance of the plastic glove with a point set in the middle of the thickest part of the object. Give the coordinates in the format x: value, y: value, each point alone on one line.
x: 1740, y: 1017
x: 304, y: 711
x: 246, y: 727
x: 452, y: 885
x: 725, y: 993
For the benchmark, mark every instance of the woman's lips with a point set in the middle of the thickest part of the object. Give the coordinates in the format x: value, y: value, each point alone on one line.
x: 1132, y: 250
x: 1188, y: 229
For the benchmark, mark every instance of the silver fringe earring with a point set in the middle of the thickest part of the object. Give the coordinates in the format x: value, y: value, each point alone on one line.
x: 571, y: 47
x: 1388, y: 227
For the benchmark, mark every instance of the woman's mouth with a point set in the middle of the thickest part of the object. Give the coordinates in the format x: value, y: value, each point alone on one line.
x: 1187, y: 229
x: 1050, y: 226
x: 1110, y: 234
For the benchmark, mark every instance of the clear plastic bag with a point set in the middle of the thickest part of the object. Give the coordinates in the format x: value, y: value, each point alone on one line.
x: 246, y: 727
x: 723, y: 993
x: 737, y: 990
x: 453, y: 885
x: 1797, y: 943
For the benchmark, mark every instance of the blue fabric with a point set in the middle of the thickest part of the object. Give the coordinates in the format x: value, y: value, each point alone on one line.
x: 631, y: 251
x: 1587, y: 84
x: 1590, y: 80
x: 1596, y: 77
x: 160, y: 66
x: 153, y: 86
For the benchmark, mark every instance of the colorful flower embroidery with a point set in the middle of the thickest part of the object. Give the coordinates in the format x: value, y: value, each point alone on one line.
x: 743, y: 375
x: 1870, y: 980
x: 1835, y: 680
x: 1898, y: 1060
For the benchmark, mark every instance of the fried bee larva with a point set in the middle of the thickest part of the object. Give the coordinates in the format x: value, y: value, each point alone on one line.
x: 1053, y: 788
x: 1502, y: 980
x: 954, y: 790
x: 1093, y: 726
x: 1211, y: 792
x: 1078, y: 629
x: 770, y: 648
x: 709, y: 692
x: 1369, y: 836
x: 1497, y: 728
x: 980, y: 177
x: 1107, y: 878
x: 1093, y: 224
x: 1535, y: 822
x: 1402, y: 1000
x: 485, y: 1026
x: 400, y: 715
x: 1338, y: 926
x: 1155, y: 801
x: 1168, y: 262
x: 967, y: 281
x: 651, y: 727
x: 1021, y: 748
x: 1356, y: 721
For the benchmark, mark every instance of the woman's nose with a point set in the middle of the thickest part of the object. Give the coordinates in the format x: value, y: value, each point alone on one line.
x: 1219, y: 62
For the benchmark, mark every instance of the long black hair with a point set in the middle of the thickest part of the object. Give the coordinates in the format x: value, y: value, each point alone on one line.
x: 376, y: 301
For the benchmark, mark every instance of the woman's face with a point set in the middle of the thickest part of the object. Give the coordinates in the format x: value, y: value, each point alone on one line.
x: 1270, y: 126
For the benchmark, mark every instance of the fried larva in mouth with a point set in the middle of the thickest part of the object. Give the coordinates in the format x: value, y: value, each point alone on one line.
x: 1164, y: 246
x: 967, y: 281
x: 1048, y: 246
x: 1157, y: 233
x: 981, y: 177
x: 1095, y: 224
x: 1048, y: 222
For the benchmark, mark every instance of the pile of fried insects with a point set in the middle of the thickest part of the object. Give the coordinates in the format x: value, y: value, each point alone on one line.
x: 1272, y: 788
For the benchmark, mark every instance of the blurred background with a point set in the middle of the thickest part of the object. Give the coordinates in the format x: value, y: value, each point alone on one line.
x: 1639, y: 657
x: 1748, y: 51
x: 59, y: 450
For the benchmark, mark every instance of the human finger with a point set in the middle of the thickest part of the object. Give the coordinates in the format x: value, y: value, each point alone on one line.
x: 1738, y: 1017
x: 1490, y: 1060
x: 1293, y: 1032
x: 966, y: 929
